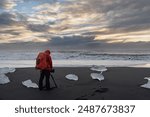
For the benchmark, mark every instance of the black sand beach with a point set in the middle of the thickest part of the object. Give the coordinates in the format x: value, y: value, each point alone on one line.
x: 119, y: 84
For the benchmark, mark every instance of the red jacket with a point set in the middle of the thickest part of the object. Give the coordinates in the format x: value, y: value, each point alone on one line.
x: 49, y: 60
x: 44, y: 61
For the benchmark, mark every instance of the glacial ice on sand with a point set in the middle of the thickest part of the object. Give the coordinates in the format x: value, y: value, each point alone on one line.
x: 29, y: 84
x: 100, y: 68
x: 147, y: 85
x: 11, y: 70
x: 3, y: 78
x: 97, y: 76
x: 72, y: 77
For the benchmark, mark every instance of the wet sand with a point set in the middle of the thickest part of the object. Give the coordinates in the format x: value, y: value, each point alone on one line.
x: 119, y: 84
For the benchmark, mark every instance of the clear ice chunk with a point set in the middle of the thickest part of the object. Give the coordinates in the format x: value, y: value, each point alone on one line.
x: 11, y: 70
x: 72, y: 77
x: 4, y: 79
x: 147, y: 85
x: 100, y: 68
x: 29, y: 84
x: 97, y: 76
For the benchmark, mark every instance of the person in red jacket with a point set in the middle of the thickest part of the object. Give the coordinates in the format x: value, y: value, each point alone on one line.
x: 46, y: 67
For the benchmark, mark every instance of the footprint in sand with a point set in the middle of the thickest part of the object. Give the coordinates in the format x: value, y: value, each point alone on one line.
x: 99, y: 91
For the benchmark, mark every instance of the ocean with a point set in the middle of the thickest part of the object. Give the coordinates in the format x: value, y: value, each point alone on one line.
x: 20, y: 59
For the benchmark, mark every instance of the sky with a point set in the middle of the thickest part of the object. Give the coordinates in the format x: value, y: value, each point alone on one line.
x: 76, y: 23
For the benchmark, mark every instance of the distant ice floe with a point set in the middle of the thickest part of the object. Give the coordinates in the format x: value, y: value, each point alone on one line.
x: 147, y: 85
x: 30, y: 84
x: 72, y: 77
x: 100, y: 68
x: 97, y: 76
x: 3, y: 78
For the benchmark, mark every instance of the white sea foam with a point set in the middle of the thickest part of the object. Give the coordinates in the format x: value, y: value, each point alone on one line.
x: 147, y: 85
x: 20, y: 59
x: 97, y: 76
x: 73, y: 55
x: 29, y: 84
x: 72, y: 77
x: 6, y: 70
x: 76, y: 63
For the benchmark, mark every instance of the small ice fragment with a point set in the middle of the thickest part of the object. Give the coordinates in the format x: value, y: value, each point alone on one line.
x: 6, y: 70
x: 4, y: 79
x: 100, y: 68
x: 72, y: 77
x: 29, y: 84
x: 147, y: 85
x: 11, y: 70
x: 97, y: 76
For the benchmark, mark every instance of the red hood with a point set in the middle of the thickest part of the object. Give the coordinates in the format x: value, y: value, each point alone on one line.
x: 47, y: 52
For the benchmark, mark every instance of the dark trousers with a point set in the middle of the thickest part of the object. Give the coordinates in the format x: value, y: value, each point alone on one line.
x: 44, y: 74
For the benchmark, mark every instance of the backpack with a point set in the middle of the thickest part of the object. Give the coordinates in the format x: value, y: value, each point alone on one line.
x: 41, y: 61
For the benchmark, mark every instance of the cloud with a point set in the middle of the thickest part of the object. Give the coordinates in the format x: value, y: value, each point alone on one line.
x: 8, y: 4
x: 94, y: 14
x: 87, y: 44
x: 7, y: 19
x: 12, y: 18
x: 38, y: 27
x: 123, y: 13
x: 87, y: 23
x: 71, y: 40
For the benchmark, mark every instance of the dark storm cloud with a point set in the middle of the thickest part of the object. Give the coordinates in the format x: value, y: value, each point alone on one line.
x: 7, y: 18
x: 128, y: 13
x: 86, y: 45
x: 71, y: 40
x: 38, y: 27
x: 124, y: 14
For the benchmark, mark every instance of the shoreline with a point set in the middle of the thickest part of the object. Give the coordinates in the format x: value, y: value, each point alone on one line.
x: 120, y: 83
x: 77, y: 63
